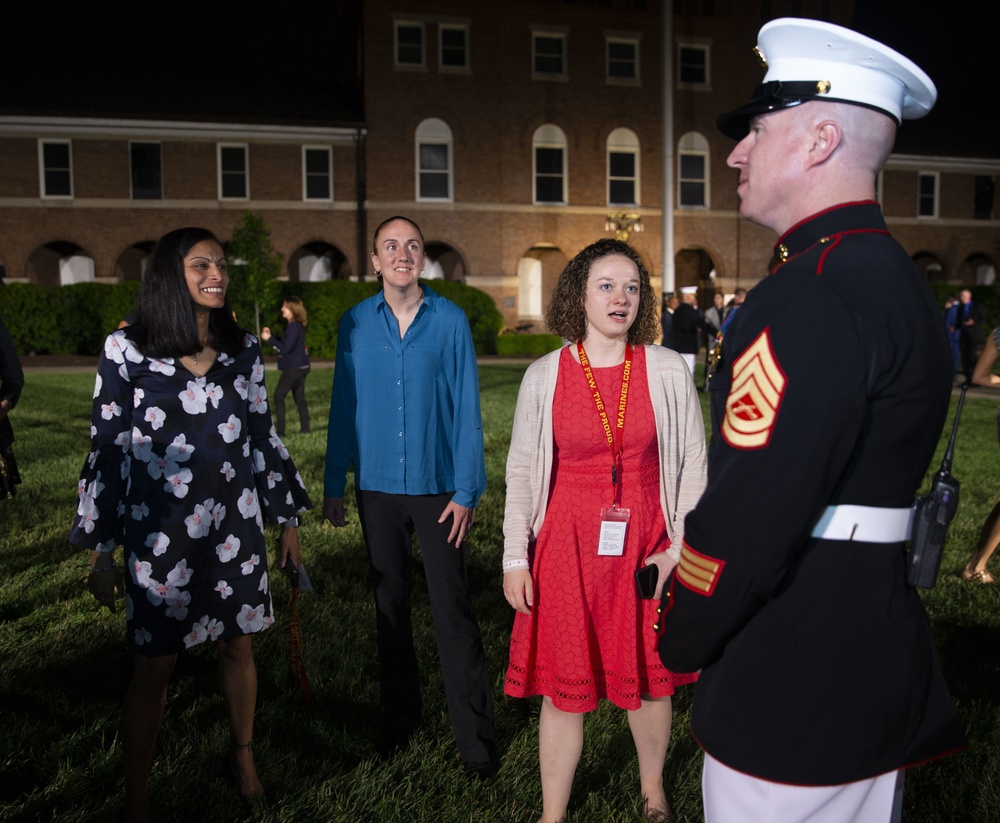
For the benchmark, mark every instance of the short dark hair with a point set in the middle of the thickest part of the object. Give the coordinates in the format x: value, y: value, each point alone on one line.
x: 566, y: 315
x: 389, y: 220
x: 165, y: 324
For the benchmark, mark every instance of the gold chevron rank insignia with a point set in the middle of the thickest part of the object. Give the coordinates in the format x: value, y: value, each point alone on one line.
x: 755, y: 394
x: 698, y: 571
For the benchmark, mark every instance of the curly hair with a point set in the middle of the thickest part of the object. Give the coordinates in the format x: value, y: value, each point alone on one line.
x: 566, y: 315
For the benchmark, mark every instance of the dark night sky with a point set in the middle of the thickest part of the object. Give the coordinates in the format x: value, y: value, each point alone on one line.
x: 958, y: 50
x: 211, y: 48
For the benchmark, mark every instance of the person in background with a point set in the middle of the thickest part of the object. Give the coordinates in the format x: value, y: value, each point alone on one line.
x: 581, y: 632
x: 970, y: 332
x: 184, y: 471
x: 670, y: 304
x: 293, y: 363
x: 715, y: 313
x: 688, y: 324
x: 11, y: 384
x: 989, y: 536
x: 952, y: 306
x: 405, y: 414
x: 819, y: 681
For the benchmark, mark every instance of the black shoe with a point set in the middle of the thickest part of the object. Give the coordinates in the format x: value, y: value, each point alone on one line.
x: 485, y: 770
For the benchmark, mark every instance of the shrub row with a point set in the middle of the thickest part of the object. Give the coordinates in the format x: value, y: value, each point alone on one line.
x: 522, y: 345
x: 76, y: 319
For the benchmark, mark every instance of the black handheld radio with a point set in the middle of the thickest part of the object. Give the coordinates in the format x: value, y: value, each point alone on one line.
x: 933, y: 514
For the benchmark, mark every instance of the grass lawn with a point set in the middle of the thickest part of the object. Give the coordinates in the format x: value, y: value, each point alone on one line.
x: 64, y: 669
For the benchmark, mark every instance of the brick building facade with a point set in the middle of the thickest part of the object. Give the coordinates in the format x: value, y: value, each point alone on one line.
x: 514, y: 133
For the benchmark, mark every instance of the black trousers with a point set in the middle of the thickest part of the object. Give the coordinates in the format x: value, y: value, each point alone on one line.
x: 967, y: 345
x: 388, y: 522
x: 293, y: 380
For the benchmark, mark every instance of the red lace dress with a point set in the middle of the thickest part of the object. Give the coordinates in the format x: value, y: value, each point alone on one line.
x: 589, y: 635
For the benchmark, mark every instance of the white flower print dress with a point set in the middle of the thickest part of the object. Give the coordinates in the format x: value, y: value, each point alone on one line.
x: 183, y: 471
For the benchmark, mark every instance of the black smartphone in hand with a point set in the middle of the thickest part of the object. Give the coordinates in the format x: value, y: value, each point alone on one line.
x: 645, y: 580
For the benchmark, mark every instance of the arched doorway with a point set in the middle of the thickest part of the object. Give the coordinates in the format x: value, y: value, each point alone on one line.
x: 59, y: 263
x: 930, y: 267
x: 695, y: 267
x: 443, y: 263
x: 537, y: 273
x: 978, y: 270
x: 316, y: 262
x: 132, y: 262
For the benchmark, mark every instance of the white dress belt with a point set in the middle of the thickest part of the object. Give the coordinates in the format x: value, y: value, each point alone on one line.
x: 865, y: 524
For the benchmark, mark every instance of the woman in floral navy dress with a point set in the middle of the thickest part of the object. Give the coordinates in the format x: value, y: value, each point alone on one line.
x: 184, y: 470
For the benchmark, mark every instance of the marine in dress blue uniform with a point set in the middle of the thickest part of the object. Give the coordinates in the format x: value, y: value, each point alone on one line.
x: 818, y: 668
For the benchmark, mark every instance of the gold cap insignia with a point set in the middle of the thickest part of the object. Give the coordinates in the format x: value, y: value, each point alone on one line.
x: 760, y: 56
x: 823, y: 87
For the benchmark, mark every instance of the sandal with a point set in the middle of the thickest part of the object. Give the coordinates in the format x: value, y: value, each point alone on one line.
x: 983, y: 577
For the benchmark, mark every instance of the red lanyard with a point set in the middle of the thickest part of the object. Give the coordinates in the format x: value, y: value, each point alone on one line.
x: 614, y: 435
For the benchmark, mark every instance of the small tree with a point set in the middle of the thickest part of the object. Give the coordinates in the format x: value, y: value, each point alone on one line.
x: 254, y: 269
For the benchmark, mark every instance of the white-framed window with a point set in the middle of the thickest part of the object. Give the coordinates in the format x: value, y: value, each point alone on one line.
x: 623, y: 168
x: 692, y: 171
x: 927, y: 194
x: 984, y: 192
x: 549, y: 166
x: 409, y: 44
x: 234, y: 178
x: 548, y: 54
x: 146, y: 166
x: 317, y: 173
x: 435, y: 180
x: 693, y: 65
x: 622, y: 53
x: 55, y: 168
x: 453, y: 46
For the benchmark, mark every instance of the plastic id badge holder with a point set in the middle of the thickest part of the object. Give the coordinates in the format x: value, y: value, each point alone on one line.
x: 614, y: 527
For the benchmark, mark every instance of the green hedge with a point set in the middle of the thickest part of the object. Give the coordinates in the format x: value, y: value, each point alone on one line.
x: 522, y: 345
x: 76, y: 319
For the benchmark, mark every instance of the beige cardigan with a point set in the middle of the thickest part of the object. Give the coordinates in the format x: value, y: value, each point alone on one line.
x: 680, y: 434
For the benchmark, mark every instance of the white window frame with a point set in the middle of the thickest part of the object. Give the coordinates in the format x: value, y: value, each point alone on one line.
x: 434, y: 132
x: 131, y: 169
x: 694, y: 144
x: 936, y: 177
x: 549, y: 137
x: 42, y: 168
x: 707, y: 51
x: 629, y: 39
x: 442, y: 28
x: 414, y: 24
x: 623, y: 141
x: 246, y: 169
x: 306, y: 174
x: 549, y: 34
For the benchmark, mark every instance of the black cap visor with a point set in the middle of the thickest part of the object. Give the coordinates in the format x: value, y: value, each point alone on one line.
x: 767, y: 97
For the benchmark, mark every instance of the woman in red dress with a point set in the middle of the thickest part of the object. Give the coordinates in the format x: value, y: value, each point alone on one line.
x: 607, y: 456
